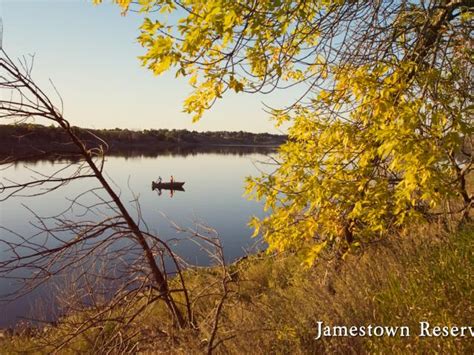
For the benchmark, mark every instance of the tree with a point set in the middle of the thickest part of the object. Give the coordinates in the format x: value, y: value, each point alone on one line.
x: 104, y: 231
x: 383, y: 132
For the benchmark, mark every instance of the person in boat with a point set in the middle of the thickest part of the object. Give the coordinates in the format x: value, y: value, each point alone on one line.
x: 171, y: 180
x: 159, y: 179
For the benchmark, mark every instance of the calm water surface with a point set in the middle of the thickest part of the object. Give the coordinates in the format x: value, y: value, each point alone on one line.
x: 214, y: 187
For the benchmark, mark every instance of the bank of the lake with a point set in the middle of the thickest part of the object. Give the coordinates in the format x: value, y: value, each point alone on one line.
x: 425, y: 276
x: 22, y: 140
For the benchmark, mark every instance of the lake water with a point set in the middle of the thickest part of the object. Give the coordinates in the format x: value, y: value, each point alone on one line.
x: 213, y: 196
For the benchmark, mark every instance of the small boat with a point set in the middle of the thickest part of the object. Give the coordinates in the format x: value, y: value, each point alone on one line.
x: 167, y: 185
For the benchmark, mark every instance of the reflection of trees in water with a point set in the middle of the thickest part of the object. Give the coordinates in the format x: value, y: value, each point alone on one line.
x: 239, y: 150
x: 184, y: 151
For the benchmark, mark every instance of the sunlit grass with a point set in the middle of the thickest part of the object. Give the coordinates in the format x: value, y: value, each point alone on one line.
x: 275, y: 303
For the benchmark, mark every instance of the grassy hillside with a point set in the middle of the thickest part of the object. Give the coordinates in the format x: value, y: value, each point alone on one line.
x: 273, y: 304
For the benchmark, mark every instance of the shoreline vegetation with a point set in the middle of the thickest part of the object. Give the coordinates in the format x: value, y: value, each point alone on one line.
x: 27, y: 140
x: 403, y: 280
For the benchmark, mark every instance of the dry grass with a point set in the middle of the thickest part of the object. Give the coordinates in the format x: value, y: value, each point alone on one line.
x: 274, y: 303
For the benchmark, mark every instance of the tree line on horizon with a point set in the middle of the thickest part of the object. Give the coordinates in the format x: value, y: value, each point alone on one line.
x: 20, y: 135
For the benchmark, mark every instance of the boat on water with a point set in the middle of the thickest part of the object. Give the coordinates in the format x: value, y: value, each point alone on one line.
x: 167, y: 185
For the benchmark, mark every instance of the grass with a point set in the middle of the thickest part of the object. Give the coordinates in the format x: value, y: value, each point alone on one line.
x: 274, y: 304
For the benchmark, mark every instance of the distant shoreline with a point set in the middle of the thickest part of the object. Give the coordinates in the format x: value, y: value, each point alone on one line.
x: 25, y: 141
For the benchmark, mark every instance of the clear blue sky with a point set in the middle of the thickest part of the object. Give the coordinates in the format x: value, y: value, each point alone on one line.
x: 90, y: 53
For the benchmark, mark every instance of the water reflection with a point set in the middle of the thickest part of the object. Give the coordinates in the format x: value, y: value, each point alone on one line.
x: 178, y: 151
x: 170, y: 189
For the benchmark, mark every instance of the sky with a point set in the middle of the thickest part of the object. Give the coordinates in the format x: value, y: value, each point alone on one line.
x: 90, y: 54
